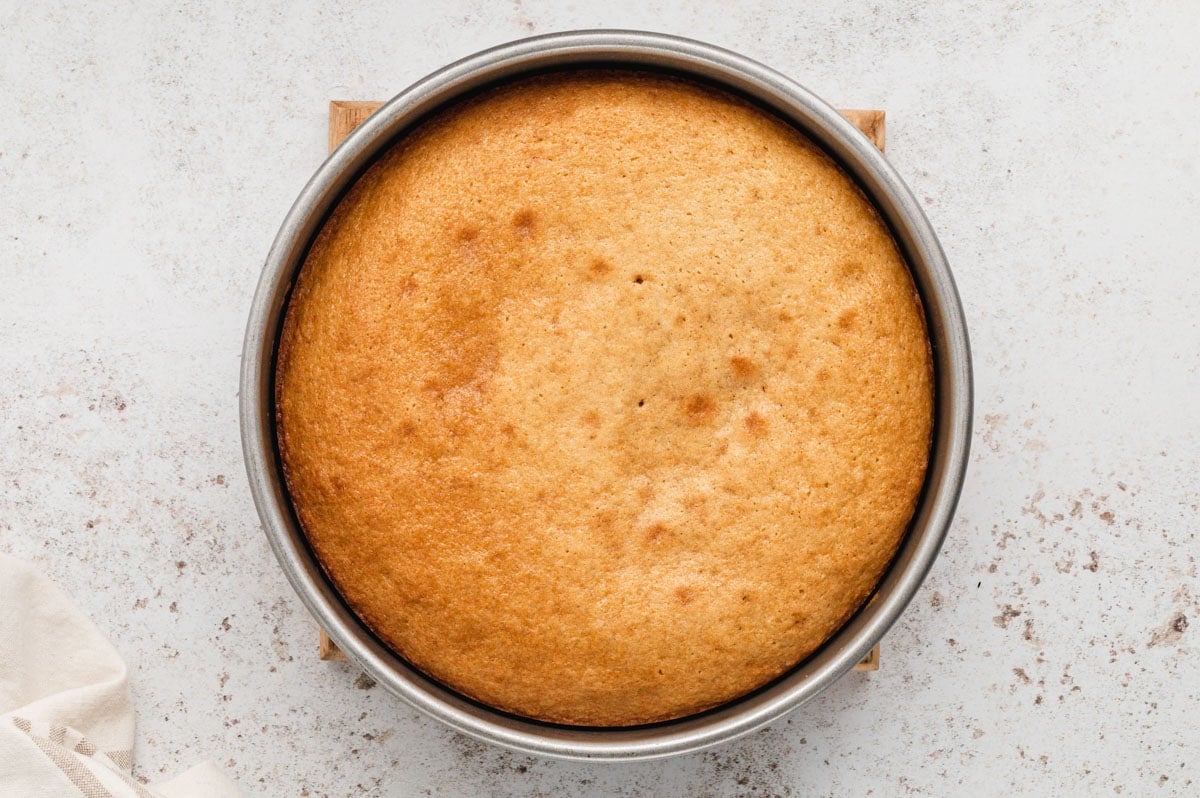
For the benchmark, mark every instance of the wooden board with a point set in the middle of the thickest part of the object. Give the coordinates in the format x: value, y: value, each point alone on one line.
x: 345, y: 115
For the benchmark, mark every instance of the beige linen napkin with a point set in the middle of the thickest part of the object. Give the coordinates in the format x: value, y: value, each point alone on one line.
x: 66, y: 719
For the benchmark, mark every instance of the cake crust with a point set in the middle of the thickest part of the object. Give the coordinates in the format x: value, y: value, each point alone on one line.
x: 604, y: 398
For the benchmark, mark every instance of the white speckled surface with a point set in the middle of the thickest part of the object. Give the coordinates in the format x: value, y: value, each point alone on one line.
x: 149, y: 152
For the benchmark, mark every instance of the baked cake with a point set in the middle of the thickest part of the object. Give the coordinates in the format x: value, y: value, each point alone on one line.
x: 604, y: 397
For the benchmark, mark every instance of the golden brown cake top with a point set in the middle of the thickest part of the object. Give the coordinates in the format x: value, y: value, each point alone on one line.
x: 604, y: 398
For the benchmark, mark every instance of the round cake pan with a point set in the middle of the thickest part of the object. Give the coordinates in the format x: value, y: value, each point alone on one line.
x: 912, y: 231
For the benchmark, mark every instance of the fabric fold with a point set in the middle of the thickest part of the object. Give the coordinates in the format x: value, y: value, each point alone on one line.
x: 66, y: 716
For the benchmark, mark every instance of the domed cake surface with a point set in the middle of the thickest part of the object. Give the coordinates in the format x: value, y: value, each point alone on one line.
x: 604, y: 397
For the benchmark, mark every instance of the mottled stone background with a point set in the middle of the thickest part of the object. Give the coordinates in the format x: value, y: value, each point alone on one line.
x: 148, y: 153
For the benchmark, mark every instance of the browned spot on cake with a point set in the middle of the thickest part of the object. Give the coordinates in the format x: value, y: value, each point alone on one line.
x: 334, y: 483
x: 657, y: 533
x: 525, y: 223
x: 698, y: 408
x: 466, y: 246
x: 591, y: 418
x: 465, y: 347
x: 605, y: 527
x: 743, y: 368
x: 599, y: 266
x: 847, y: 318
x: 685, y: 595
x: 851, y: 270
x: 697, y: 507
x: 406, y: 286
x: 755, y: 424
x: 680, y: 320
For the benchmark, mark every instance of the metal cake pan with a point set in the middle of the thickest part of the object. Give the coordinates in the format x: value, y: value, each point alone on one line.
x: 913, y: 233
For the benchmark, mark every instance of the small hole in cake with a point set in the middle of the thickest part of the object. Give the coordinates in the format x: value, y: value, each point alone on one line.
x: 639, y: 279
x: 641, y: 402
